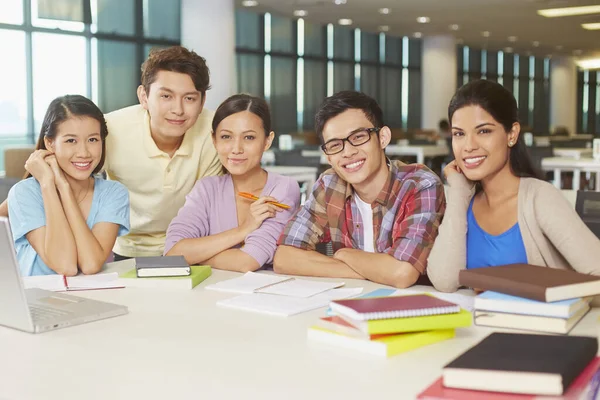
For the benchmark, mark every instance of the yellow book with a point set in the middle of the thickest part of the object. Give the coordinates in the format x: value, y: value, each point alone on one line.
x: 197, y: 275
x: 413, y: 324
x: 383, y: 345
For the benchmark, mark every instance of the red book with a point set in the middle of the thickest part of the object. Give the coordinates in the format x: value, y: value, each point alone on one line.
x: 586, y: 383
x: 393, y: 307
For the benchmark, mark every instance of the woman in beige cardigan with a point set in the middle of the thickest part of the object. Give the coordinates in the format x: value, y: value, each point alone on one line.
x: 498, y: 211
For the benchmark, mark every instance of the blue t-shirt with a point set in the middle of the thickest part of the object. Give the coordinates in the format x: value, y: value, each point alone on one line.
x: 110, y: 203
x: 485, y: 250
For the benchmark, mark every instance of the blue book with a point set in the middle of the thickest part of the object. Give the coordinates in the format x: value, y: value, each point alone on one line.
x: 375, y: 293
x: 504, y: 303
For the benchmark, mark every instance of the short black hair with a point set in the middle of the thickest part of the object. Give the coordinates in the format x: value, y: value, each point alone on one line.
x: 336, y: 104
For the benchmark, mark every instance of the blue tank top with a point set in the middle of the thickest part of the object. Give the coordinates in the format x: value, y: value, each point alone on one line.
x: 485, y: 250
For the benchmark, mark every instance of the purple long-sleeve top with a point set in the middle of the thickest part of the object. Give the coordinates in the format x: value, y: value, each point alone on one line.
x: 210, y: 209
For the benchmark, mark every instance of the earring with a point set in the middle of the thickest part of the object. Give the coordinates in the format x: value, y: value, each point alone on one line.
x: 510, y: 144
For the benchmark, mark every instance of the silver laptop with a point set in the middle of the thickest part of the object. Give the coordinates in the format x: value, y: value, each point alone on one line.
x: 37, y: 310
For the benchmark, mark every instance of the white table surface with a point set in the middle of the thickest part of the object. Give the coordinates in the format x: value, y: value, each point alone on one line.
x: 421, y: 152
x: 584, y: 164
x: 179, y: 344
x: 573, y: 153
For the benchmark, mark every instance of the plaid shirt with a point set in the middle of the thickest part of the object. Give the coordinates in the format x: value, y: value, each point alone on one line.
x: 406, y: 215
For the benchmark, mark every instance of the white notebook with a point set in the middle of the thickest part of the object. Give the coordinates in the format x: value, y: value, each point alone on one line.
x: 283, y: 306
x: 60, y: 283
x: 253, y: 282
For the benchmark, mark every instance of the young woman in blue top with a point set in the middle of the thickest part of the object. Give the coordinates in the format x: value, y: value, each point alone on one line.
x: 498, y: 211
x: 63, y: 219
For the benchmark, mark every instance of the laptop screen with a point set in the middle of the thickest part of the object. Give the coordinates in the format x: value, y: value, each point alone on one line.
x: 15, y: 311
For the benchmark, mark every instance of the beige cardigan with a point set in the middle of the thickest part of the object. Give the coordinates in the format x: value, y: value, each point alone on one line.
x: 553, y: 233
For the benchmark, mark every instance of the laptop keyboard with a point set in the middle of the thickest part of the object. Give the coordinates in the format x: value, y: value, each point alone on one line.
x: 39, y: 313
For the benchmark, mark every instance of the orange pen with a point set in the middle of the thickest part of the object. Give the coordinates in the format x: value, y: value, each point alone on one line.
x: 250, y: 196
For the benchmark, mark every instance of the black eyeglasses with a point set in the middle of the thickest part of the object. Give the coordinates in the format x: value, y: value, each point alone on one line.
x: 357, y: 138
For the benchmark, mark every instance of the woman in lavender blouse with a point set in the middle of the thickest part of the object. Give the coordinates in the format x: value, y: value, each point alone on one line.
x: 218, y: 227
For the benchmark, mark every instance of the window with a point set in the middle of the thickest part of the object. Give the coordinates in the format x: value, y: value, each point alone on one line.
x: 49, y: 83
x: 526, y: 77
x: 283, y: 94
x: 116, y: 82
x: 12, y: 12
x: 63, y: 14
x: 113, y: 16
x: 248, y: 34
x: 13, y: 81
x: 315, y: 90
x: 250, y: 74
x: 588, y: 102
x: 106, y: 42
x: 162, y: 19
x: 295, y: 64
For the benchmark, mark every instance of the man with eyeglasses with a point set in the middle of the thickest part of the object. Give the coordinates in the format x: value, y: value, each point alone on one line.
x: 380, y: 216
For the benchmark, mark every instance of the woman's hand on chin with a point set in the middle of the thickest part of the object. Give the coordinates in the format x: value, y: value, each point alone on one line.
x: 59, y: 176
x: 38, y: 167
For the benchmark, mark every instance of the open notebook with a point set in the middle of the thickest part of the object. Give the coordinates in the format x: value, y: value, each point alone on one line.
x: 61, y: 283
x: 253, y: 282
x: 284, y: 306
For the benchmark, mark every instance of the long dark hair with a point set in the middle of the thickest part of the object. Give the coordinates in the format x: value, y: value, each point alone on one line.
x: 69, y: 106
x: 497, y: 101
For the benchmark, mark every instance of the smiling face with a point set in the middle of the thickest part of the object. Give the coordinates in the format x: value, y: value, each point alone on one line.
x: 77, y: 146
x: 480, y: 144
x: 240, y: 141
x: 173, y: 103
x: 357, y: 165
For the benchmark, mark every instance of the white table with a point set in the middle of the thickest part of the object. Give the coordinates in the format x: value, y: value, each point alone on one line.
x: 180, y: 345
x: 311, y: 153
x: 573, y: 153
x: 558, y: 164
x: 301, y: 174
x: 268, y: 158
x: 421, y: 152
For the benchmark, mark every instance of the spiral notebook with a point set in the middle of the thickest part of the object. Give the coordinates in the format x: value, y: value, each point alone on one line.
x: 393, y: 307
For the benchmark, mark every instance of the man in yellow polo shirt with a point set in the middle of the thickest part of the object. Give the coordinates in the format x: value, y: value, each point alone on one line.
x: 159, y: 148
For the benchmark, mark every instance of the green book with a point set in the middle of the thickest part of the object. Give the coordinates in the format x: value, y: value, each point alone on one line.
x: 197, y: 275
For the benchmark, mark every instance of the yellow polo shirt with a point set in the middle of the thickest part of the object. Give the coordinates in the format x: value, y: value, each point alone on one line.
x: 157, y: 183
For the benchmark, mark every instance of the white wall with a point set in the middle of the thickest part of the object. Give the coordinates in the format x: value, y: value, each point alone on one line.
x: 438, y: 79
x: 208, y: 28
x: 563, y: 93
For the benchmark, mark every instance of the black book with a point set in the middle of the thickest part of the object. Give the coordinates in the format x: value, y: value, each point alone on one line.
x: 521, y: 363
x: 161, y: 266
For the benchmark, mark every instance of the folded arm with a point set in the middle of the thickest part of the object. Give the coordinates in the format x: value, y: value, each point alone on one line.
x: 379, y: 267
x: 294, y: 261
x: 200, y: 250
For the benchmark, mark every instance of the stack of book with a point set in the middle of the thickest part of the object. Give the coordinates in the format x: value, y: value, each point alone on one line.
x: 529, y: 297
x: 387, y: 326
x: 509, y: 366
